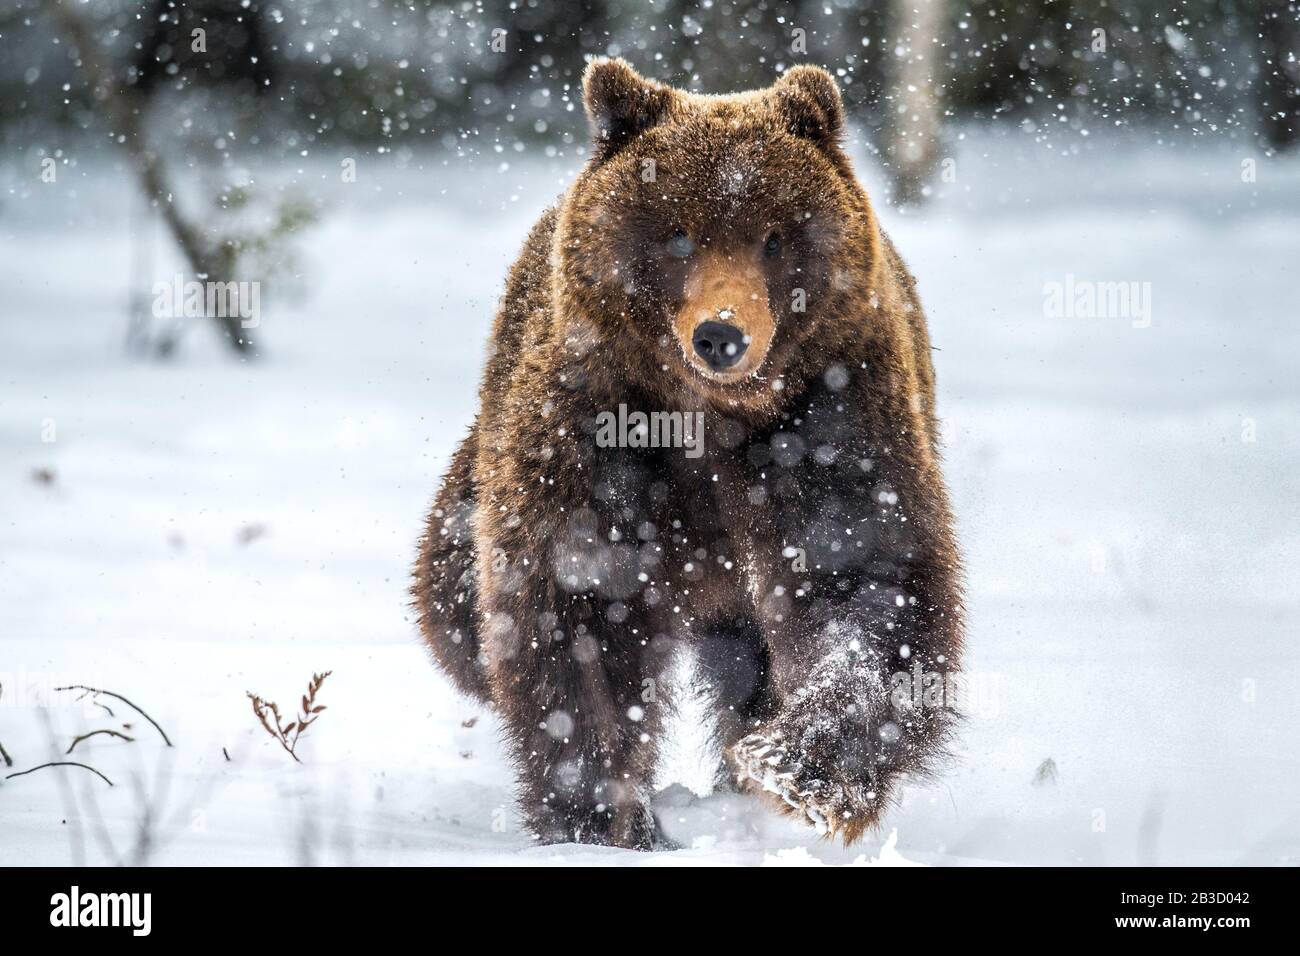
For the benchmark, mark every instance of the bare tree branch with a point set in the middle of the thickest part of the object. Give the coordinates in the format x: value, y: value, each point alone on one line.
x: 60, y: 763
x: 111, y: 733
x: 109, y: 693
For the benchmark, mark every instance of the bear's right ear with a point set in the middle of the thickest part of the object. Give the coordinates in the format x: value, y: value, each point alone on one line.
x: 621, y: 103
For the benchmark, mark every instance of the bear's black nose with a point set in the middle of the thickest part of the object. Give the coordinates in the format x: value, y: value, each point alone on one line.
x: 719, y: 344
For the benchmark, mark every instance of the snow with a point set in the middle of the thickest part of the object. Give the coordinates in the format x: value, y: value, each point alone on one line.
x: 1126, y: 497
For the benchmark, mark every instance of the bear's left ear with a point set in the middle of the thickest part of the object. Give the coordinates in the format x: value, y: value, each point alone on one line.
x: 809, y: 102
x: 621, y: 103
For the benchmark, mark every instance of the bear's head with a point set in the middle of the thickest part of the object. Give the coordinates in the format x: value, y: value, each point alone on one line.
x: 716, y: 242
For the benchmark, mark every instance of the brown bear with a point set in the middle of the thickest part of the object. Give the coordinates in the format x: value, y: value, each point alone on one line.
x: 716, y: 262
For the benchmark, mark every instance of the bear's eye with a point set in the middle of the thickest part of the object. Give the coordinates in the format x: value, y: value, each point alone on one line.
x: 680, y: 245
x: 772, y: 248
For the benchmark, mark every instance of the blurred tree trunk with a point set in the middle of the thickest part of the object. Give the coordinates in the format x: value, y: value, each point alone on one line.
x: 123, y: 109
x: 914, y: 126
x: 1278, y: 89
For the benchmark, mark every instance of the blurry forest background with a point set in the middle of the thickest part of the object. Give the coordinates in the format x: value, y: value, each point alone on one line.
x: 195, y: 82
x: 419, y: 70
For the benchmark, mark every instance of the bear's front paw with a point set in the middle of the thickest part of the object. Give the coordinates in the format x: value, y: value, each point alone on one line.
x: 813, y: 791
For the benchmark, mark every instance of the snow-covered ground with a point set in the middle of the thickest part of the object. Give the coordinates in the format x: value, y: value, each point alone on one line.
x: 1128, y: 496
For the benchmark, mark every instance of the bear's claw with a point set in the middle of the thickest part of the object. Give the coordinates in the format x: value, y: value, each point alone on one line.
x: 765, y: 761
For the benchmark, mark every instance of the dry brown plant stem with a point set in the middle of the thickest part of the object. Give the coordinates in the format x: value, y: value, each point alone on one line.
x: 268, y: 714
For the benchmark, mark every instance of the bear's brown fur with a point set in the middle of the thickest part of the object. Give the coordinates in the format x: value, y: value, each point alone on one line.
x: 807, y: 552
